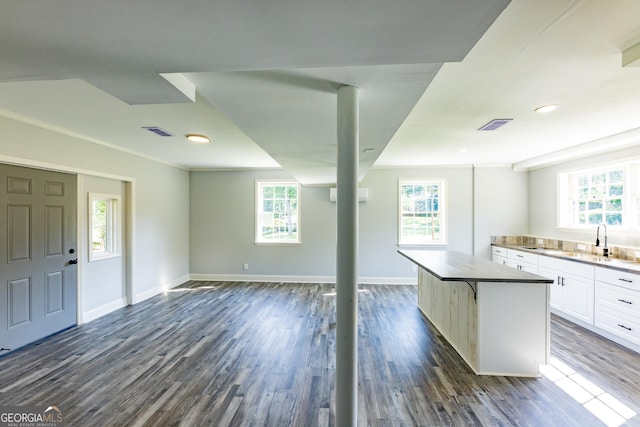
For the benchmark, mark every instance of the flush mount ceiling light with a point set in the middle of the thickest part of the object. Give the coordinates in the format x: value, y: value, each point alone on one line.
x: 495, y: 124
x: 546, y: 108
x: 198, y: 139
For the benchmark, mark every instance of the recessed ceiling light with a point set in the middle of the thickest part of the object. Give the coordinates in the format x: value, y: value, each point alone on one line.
x: 462, y: 151
x: 198, y: 139
x: 546, y: 108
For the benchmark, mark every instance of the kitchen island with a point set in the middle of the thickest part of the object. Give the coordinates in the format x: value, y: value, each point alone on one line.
x: 495, y: 317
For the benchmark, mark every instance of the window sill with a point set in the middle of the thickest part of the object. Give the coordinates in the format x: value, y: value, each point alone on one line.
x: 611, y: 229
x: 278, y: 243
x: 102, y: 257
x: 423, y: 245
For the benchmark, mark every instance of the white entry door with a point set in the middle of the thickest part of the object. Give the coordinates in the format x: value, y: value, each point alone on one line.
x: 38, y: 294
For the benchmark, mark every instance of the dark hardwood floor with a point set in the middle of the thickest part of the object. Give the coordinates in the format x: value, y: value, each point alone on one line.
x: 221, y: 353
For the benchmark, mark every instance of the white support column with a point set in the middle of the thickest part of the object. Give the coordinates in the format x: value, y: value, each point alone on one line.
x: 347, y: 257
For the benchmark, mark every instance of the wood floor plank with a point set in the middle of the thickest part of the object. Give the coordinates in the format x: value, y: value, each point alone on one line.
x: 263, y: 354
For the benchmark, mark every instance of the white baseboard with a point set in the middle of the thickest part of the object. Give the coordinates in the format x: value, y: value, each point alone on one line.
x: 144, y: 295
x: 177, y: 282
x: 299, y: 279
x: 90, y: 315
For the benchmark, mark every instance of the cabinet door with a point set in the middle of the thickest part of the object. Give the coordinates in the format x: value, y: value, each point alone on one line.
x: 499, y: 260
x: 529, y: 268
x: 578, y: 298
x: 556, y: 294
x: 511, y: 263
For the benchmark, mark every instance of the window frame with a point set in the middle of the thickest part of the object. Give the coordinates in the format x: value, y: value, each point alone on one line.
x: 259, y: 213
x: 442, y: 210
x: 113, y: 226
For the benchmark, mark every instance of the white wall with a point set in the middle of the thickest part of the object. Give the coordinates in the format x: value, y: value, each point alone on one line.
x: 160, y: 201
x: 543, y: 200
x: 103, y: 281
x: 222, y: 223
x: 501, y: 204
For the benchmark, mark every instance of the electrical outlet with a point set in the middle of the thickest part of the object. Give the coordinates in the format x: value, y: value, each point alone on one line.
x: 245, y: 266
x: 540, y: 241
x: 637, y: 254
x: 414, y: 268
x: 581, y: 247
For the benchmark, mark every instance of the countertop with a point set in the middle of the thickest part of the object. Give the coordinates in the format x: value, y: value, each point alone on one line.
x: 461, y: 267
x: 630, y: 266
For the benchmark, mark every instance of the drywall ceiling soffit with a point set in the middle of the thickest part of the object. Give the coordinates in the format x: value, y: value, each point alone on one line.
x: 121, y: 43
x: 125, y: 48
x: 292, y: 115
x: 566, y: 52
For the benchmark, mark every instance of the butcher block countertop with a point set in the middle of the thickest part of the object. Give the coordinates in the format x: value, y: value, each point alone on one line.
x: 461, y: 267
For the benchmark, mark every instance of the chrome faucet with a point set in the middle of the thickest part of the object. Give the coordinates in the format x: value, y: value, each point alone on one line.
x: 605, y: 249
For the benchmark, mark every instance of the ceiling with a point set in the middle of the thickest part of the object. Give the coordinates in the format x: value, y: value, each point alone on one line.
x: 260, y: 78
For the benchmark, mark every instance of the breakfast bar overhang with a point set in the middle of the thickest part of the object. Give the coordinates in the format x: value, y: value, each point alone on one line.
x: 495, y: 317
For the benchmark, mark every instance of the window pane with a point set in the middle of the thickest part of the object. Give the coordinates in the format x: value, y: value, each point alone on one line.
x: 614, y: 219
x: 597, y: 192
x: 595, y: 205
x: 598, y: 179
x: 615, y: 190
x: 614, y: 205
x: 616, y: 176
x: 595, y: 218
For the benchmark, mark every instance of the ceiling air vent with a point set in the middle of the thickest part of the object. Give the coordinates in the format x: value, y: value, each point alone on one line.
x: 495, y: 124
x: 157, y: 130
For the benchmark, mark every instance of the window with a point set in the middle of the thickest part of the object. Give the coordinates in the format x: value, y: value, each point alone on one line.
x: 104, y: 226
x: 590, y: 197
x: 277, y: 212
x: 422, y: 212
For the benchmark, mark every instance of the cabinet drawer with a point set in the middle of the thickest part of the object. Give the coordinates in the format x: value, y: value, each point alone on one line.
x: 520, y: 256
x: 620, y: 278
x: 620, y: 324
x: 618, y: 298
x: 567, y: 267
x: 498, y: 251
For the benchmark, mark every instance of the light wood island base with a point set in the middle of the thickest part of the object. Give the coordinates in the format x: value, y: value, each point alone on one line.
x: 495, y: 317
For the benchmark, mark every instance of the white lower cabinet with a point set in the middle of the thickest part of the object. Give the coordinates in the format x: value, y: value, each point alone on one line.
x: 618, y: 303
x: 572, y: 292
x: 603, y: 300
x: 524, y: 261
x: 499, y: 255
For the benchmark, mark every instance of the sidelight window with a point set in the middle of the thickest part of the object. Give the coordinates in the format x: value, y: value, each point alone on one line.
x: 104, y: 225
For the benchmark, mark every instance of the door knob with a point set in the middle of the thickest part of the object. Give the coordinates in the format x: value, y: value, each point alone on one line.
x: 73, y: 261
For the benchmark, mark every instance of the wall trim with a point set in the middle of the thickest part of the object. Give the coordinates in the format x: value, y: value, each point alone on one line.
x: 93, y: 314
x: 150, y: 293
x: 64, y: 131
x: 299, y: 279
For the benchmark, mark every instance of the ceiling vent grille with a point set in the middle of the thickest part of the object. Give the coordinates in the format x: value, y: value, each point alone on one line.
x: 495, y: 124
x: 157, y: 130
